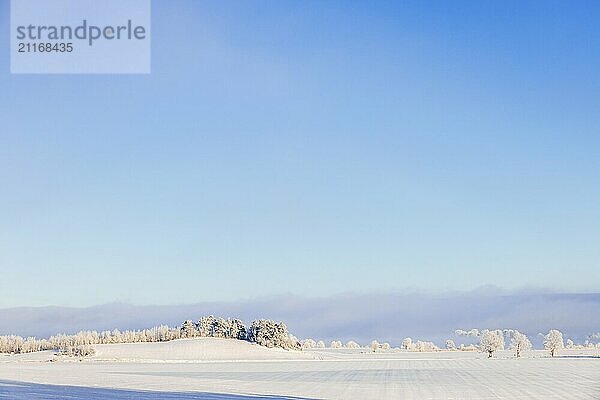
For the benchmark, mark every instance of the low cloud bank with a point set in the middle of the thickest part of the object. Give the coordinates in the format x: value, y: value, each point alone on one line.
x: 362, y: 317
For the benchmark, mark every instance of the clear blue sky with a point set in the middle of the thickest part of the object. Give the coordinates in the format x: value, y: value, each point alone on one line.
x: 312, y: 148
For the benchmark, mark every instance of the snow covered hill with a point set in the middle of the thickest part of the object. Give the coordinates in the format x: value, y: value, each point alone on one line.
x: 194, y: 350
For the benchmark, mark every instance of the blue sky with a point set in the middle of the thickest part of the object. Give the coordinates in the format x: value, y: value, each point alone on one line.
x: 311, y: 148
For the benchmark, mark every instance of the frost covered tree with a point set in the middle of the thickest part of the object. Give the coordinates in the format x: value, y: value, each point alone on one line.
x: 295, y: 342
x: 269, y: 333
x: 374, y: 346
x: 336, y: 344
x: 407, y: 344
x: 450, y: 345
x: 76, y: 344
x: 274, y: 334
x: 210, y: 326
x: 491, y: 341
x: 205, y: 326
x: 385, y: 346
x: 470, y: 333
x: 160, y: 333
x: 12, y: 344
x: 237, y: 329
x: 424, y: 346
x: 188, y: 329
x: 320, y: 344
x: 84, y: 350
x: 519, y: 343
x: 589, y: 344
x: 352, y: 345
x: 308, y: 344
x: 553, y: 341
x: 220, y: 328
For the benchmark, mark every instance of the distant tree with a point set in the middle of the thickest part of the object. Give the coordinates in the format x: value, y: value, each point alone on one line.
x: 407, y: 344
x: 375, y: 346
x: 470, y: 347
x: 83, y: 350
x: 269, y: 333
x: 205, y: 326
x: 320, y: 344
x: 237, y: 329
x: 473, y: 333
x: 553, y: 341
x: 31, y: 345
x: 385, y: 346
x: 491, y: 341
x: 308, y: 344
x: 470, y: 333
x: 519, y: 343
x: 424, y: 346
x: 352, y: 345
x: 336, y: 344
x: 188, y: 329
x: 220, y: 328
x: 116, y: 336
x: 450, y: 345
x: 163, y: 334
x: 589, y: 344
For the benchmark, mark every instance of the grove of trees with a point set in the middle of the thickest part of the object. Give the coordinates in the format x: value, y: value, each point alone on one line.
x: 263, y: 332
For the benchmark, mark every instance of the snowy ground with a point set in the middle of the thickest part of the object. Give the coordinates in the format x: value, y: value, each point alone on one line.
x: 204, y: 369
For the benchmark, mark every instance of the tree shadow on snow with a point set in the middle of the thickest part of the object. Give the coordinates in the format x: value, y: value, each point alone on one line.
x: 33, y: 391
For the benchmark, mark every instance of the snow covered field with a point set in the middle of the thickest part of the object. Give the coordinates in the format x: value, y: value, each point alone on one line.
x: 227, y: 369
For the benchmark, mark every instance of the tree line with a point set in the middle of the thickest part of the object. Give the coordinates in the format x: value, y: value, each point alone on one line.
x: 489, y: 341
x: 269, y: 333
x: 264, y: 332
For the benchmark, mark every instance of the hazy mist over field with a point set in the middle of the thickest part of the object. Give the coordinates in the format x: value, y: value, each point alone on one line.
x: 361, y: 317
